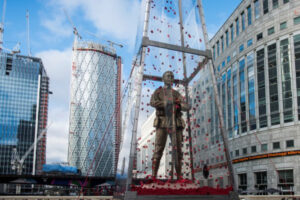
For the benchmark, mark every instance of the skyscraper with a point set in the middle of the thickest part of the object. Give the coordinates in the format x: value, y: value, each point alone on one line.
x: 95, y: 109
x: 24, y: 88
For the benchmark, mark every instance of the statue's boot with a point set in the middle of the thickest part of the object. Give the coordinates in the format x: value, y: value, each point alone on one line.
x: 178, y: 171
x: 155, y: 166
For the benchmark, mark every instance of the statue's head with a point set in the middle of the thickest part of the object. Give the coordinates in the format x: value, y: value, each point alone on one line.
x: 168, y: 78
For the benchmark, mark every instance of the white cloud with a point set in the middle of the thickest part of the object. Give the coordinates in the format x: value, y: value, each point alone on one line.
x: 57, y: 25
x: 58, y: 67
x: 57, y: 135
x: 114, y: 18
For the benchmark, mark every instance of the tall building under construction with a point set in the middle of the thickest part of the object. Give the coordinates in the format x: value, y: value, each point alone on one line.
x: 95, y: 109
x: 24, y: 89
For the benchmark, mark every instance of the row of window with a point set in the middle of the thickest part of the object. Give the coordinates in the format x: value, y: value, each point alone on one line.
x: 259, y: 36
x: 237, y: 88
x: 263, y: 148
x: 234, y: 29
x: 285, y: 181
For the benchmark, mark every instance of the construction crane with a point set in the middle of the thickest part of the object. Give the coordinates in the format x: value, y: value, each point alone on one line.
x: 2, y: 24
x: 16, y: 162
x: 111, y: 43
x: 28, y: 36
x: 16, y: 48
x: 75, y: 31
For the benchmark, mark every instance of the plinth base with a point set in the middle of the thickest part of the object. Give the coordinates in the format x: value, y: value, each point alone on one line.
x: 181, y: 189
x: 183, y: 197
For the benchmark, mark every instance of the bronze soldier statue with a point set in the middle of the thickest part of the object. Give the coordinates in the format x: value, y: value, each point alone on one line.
x: 168, y: 104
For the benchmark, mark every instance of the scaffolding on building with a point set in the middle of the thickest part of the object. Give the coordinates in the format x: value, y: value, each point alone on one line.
x: 94, y: 135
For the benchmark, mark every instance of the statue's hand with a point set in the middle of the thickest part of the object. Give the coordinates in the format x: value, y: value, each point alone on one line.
x: 185, y: 107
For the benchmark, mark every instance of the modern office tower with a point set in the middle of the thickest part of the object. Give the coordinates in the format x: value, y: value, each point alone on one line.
x: 94, y: 134
x: 24, y: 89
x: 256, y: 55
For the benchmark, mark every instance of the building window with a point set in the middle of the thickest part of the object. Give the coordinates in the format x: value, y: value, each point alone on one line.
x: 217, y: 128
x: 276, y: 145
x: 245, y: 151
x: 286, y: 181
x: 237, y: 26
x: 264, y: 147
x: 243, y: 21
x: 259, y: 36
x: 251, y: 91
x: 297, y: 69
x: 241, y: 48
x: 243, y: 96
x: 222, y: 43
x: 235, y: 99
x: 214, y: 52
x: 256, y: 9
x: 260, y: 55
x: 297, y: 20
x: 237, y: 153
x: 285, y: 67
x: 233, y: 53
x: 261, y: 181
x: 227, y: 38
x: 224, y: 96
x: 271, y: 31
x: 228, y: 59
x: 232, y: 32
x: 275, y: 4
x: 289, y: 143
x: 218, y: 48
x: 273, y: 85
x: 243, y: 181
x: 249, y: 42
x: 266, y: 6
x: 286, y: 1
x: 253, y: 149
x: 283, y: 25
x: 229, y: 99
x: 249, y: 14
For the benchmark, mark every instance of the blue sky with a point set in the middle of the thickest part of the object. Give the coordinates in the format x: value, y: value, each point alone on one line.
x: 51, y: 39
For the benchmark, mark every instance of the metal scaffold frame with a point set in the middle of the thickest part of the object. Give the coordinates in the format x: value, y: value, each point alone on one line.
x: 141, y: 77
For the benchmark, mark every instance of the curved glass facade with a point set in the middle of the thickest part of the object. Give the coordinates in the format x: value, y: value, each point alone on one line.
x: 93, y: 111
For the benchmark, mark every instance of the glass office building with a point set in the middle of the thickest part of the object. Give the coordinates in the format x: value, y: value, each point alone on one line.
x: 23, y: 111
x: 259, y: 92
x: 95, y: 109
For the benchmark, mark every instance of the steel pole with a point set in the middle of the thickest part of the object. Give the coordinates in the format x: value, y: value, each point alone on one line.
x: 220, y: 113
x: 138, y: 100
x: 186, y: 90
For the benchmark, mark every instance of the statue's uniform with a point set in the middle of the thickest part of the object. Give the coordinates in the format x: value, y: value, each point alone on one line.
x: 167, y: 102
